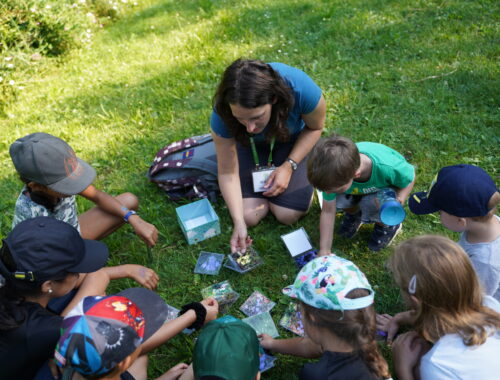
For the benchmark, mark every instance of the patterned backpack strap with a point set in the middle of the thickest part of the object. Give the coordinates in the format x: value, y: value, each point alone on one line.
x: 180, y: 145
x: 167, y: 164
x: 176, y: 147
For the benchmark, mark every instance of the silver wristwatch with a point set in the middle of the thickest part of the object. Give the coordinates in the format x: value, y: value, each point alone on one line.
x: 292, y: 163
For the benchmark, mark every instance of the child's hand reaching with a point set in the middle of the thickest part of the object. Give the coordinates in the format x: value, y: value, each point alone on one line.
x: 174, y: 373
x: 383, y: 321
x: 391, y: 325
x: 212, y: 307
x: 407, y: 350
x: 143, y: 276
x: 266, y: 341
x: 146, y: 231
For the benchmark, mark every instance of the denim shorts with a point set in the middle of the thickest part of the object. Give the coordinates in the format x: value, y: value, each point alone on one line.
x: 366, y: 202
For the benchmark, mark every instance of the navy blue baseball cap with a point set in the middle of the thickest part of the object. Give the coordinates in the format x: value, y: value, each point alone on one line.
x: 460, y: 190
x: 45, y: 248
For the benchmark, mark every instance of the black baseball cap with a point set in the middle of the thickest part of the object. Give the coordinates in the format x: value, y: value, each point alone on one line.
x: 50, y: 161
x: 460, y: 190
x: 45, y: 248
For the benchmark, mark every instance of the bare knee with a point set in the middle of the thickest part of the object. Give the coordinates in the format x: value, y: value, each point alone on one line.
x: 129, y: 200
x: 288, y: 219
x: 286, y: 216
x: 252, y: 220
x: 253, y: 215
x: 139, y: 368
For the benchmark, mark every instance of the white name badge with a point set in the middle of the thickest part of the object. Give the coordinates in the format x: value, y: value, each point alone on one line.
x: 259, y: 177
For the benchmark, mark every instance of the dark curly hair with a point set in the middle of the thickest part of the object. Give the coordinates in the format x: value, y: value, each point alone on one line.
x: 250, y: 84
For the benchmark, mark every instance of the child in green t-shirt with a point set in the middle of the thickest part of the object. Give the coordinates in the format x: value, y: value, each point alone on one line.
x: 350, y: 175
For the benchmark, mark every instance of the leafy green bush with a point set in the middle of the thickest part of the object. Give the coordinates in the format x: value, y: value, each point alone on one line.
x: 106, y: 8
x: 29, y: 25
x: 33, y: 29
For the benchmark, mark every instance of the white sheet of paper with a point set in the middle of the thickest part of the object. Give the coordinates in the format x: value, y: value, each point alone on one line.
x: 297, y: 242
x: 195, y: 222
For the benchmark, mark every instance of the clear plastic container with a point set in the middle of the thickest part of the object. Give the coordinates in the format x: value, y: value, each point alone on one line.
x: 391, y: 212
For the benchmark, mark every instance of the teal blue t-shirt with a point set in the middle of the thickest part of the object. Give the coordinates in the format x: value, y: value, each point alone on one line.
x: 389, y: 168
x: 306, y: 94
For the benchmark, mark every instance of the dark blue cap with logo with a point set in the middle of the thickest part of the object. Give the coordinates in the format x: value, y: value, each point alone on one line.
x: 44, y: 248
x: 460, y: 190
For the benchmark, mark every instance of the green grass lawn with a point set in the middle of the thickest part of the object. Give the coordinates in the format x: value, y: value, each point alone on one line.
x: 419, y: 76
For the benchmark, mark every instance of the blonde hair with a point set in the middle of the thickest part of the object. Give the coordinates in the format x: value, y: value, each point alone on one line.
x: 445, y: 283
x: 355, y: 327
x: 492, y: 206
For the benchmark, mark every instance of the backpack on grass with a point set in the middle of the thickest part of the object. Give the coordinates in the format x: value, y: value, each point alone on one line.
x: 187, y: 169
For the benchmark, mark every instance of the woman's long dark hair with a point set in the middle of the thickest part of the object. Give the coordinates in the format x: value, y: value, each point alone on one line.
x: 251, y: 84
x: 13, y: 292
x: 355, y: 327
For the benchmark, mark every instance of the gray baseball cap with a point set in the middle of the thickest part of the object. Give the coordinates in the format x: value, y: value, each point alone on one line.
x: 49, y: 161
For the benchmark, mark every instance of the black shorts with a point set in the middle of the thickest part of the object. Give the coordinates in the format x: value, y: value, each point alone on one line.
x: 298, y: 194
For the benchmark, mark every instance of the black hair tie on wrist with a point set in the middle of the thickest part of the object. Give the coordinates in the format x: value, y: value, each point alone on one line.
x: 201, y: 314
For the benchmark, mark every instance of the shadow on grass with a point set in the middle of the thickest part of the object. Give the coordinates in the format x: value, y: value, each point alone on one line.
x: 342, y: 46
x: 176, y: 103
x: 402, y: 45
x: 181, y: 14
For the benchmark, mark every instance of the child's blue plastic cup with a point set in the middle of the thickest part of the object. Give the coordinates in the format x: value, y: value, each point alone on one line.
x: 391, y: 212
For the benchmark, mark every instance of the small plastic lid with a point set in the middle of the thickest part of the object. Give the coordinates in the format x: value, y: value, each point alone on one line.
x: 392, y: 213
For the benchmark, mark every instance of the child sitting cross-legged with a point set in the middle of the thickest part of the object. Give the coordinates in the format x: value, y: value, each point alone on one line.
x: 467, y: 199
x: 109, y: 337
x: 336, y: 304
x: 53, y: 176
x: 350, y: 176
x: 456, y: 327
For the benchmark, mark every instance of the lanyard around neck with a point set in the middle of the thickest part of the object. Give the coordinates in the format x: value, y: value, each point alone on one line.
x: 256, y: 156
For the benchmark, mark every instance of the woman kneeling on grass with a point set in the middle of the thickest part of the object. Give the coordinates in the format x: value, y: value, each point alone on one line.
x: 42, y: 260
x: 336, y: 303
x: 265, y: 116
x: 449, y: 311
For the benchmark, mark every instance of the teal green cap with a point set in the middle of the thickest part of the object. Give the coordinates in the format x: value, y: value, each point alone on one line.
x: 227, y: 348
